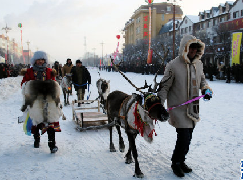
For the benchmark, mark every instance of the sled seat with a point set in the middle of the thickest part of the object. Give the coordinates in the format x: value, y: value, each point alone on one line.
x: 88, y: 114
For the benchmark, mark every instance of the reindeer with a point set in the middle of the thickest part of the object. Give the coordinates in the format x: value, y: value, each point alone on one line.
x: 103, y: 87
x: 136, y: 114
x: 66, y: 85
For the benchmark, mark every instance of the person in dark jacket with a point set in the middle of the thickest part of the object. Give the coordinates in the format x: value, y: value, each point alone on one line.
x: 80, y: 77
x: 228, y: 73
x: 210, y: 72
x: 1, y: 71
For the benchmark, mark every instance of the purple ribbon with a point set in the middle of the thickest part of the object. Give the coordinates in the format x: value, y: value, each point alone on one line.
x: 188, y: 102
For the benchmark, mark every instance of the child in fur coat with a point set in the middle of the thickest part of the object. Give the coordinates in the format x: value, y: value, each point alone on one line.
x: 39, y: 72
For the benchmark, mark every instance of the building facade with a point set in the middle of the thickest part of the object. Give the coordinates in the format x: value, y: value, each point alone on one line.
x: 138, y: 26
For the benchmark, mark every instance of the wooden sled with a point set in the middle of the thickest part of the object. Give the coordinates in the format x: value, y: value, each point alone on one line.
x: 88, y: 115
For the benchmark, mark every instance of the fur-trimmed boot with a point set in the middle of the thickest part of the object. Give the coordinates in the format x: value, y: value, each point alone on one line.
x: 51, y: 140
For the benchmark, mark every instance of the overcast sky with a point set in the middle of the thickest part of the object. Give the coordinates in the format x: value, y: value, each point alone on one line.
x: 59, y: 27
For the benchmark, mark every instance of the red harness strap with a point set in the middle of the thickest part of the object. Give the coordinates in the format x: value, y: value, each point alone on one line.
x: 153, y: 106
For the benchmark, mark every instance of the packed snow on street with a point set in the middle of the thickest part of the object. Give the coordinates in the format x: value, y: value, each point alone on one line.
x: 215, y: 151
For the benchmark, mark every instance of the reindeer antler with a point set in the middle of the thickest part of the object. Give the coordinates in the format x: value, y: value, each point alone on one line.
x: 137, y: 89
x: 161, y: 65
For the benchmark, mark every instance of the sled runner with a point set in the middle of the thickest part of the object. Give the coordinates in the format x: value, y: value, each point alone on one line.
x: 88, y: 115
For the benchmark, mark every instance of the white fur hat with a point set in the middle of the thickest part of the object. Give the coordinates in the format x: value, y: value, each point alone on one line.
x: 38, y: 55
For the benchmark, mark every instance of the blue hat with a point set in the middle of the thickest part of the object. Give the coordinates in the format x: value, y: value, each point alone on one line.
x: 39, y: 55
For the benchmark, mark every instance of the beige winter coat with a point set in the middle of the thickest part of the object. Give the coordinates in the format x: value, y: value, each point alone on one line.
x: 66, y: 69
x: 181, y: 82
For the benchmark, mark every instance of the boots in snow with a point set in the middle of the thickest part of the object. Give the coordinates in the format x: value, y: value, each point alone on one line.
x: 185, y: 168
x: 52, y: 146
x: 37, y: 143
x: 37, y: 140
x: 176, y: 167
x: 51, y: 140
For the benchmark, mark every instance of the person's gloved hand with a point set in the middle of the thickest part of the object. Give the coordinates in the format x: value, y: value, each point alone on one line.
x: 208, y: 94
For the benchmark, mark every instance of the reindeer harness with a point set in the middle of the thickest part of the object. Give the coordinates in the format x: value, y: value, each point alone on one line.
x: 130, y: 103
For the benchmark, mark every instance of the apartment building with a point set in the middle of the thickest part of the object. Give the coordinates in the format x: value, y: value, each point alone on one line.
x: 138, y: 25
x: 215, y: 28
x: 11, y: 49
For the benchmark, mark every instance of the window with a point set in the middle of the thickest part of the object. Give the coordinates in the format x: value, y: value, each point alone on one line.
x: 137, y: 30
x: 215, y: 22
x: 168, y: 8
x: 138, y: 20
x: 186, y: 30
x: 208, y: 15
x: 236, y: 14
x: 241, y: 11
x: 223, y: 9
x: 162, y: 17
x: 222, y: 19
x: 202, y: 26
x: 208, y: 24
x: 190, y: 28
x: 182, y: 30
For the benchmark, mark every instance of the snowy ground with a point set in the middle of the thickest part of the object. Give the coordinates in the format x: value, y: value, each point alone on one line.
x: 215, y: 151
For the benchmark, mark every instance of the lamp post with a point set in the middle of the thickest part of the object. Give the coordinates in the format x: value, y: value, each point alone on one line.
x: 174, y: 2
x: 94, y: 57
x: 6, y: 30
x: 173, y: 31
x: 102, y: 51
x: 28, y: 43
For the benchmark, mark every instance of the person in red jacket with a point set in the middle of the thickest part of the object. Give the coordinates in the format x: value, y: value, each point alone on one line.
x: 40, y: 71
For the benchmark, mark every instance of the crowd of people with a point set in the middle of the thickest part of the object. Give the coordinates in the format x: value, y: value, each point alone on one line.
x: 10, y: 70
x: 224, y: 72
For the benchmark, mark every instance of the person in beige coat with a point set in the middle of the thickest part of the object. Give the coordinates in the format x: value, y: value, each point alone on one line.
x: 182, y: 80
x: 67, y: 67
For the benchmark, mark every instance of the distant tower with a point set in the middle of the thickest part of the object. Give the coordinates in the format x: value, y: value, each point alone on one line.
x: 85, y: 46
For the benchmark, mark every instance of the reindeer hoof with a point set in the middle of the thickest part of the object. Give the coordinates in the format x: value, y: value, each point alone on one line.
x: 122, y: 147
x: 122, y: 150
x: 128, y: 160
x: 23, y: 108
x: 140, y: 175
x: 112, y: 148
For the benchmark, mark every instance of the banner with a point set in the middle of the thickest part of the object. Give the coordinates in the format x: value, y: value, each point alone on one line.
x: 150, y: 53
x: 149, y: 59
x: 236, y: 43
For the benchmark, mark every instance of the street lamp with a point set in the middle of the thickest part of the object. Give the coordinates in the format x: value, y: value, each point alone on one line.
x: 6, y: 30
x: 94, y: 57
x: 102, y: 51
x: 28, y: 43
x: 174, y: 2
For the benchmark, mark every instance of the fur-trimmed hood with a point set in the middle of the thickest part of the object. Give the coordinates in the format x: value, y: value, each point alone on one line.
x: 186, y: 41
